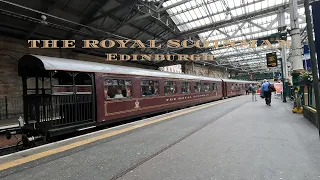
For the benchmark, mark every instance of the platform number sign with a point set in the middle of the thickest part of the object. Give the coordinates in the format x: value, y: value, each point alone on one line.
x: 272, y: 59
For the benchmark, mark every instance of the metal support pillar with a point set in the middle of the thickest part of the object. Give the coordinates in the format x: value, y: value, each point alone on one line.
x: 296, y: 47
x: 313, y: 60
x: 284, y: 67
x: 283, y: 83
x: 295, y: 37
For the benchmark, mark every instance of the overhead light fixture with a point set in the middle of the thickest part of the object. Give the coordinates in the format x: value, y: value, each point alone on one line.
x: 43, y: 21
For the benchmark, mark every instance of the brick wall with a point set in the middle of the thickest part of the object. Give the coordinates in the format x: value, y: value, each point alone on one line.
x: 205, y: 71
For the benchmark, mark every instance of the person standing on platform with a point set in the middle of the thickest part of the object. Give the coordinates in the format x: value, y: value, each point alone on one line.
x: 253, y: 89
x: 266, y: 92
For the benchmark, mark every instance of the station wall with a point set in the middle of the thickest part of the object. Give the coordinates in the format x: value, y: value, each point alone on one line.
x: 195, y: 69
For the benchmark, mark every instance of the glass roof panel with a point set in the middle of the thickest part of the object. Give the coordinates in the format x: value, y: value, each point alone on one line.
x: 195, y: 14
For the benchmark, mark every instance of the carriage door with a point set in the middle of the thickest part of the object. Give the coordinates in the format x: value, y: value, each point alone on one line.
x: 224, y: 89
x: 73, y: 98
x: 84, y: 99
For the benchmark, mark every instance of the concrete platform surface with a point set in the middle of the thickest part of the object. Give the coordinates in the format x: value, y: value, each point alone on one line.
x: 239, y: 139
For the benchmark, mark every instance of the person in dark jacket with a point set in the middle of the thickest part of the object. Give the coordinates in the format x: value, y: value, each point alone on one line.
x: 266, y: 92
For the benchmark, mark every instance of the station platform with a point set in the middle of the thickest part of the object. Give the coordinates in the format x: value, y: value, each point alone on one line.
x: 234, y: 138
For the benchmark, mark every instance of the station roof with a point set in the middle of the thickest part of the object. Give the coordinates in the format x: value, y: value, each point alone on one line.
x: 157, y: 19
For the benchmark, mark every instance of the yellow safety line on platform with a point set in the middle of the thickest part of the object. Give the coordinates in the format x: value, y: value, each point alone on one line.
x: 103, y: 136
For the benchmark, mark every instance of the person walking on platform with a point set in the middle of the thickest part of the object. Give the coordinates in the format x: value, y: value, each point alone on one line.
x: 266, y: 92
x: 253, y: 89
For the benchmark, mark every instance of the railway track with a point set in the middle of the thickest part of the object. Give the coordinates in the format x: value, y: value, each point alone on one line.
x: 18, y: 147
x: 8, y: 150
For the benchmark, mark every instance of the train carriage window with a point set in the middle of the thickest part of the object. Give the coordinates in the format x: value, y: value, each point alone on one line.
x: 205, y: 87
x: 117, y: 88
x: 83, y: 83
x: 149, y: 88
x: 62, y: 83
x: 170, y: 88
x: 185, y: 87
x: 197, y: 87
x: 214, y: 86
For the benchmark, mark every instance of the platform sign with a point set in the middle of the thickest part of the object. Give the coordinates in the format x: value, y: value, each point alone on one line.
x: 278, y: 87
x: 272, y: 60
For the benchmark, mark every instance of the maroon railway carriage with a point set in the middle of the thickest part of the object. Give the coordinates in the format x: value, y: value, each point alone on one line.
x: 62, y: 95
x: 233, y: 87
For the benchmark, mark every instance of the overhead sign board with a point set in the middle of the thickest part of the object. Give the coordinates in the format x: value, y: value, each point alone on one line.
x: 272, y: 60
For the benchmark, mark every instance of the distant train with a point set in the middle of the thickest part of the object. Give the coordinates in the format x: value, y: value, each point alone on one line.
x: 63, y: 96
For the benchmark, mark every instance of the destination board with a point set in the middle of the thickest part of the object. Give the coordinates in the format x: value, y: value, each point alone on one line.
x: 272, y: 59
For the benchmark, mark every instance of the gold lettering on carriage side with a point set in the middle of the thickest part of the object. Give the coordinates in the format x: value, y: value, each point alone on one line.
x: 137, y: 104
x: 105, y: 108
x: 156, y: 106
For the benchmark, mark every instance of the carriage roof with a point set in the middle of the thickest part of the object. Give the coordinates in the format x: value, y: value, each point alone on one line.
x: 40, y: 63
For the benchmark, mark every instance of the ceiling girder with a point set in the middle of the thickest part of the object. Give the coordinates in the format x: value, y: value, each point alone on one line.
x: 152, y: 11
x: 48, y: 6
x: 238, y: 19
x: 213, y: 14
x: 88, y: 19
